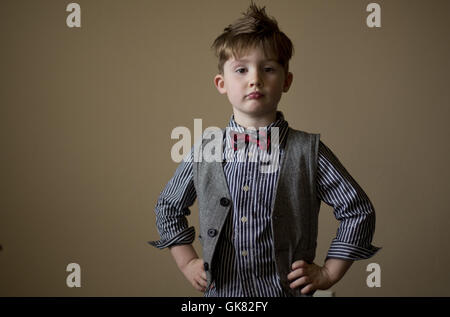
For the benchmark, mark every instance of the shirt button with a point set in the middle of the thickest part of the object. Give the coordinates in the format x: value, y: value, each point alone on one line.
x: 244, y: 219
x: 245, y: 188
x: 244, y: 253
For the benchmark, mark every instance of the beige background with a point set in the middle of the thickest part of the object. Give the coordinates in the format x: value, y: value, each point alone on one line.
x: 86, y: 116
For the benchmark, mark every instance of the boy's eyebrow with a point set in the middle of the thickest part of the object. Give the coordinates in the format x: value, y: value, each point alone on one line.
x: 246, y: 60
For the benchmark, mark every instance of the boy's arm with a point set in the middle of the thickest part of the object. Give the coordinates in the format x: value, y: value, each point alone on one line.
x: 356, y: 214
x: 337, y: 188
x: 171, y: 211
x: 173, y: 205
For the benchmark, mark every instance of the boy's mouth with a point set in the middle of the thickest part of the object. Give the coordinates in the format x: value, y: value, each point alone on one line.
x: 255, y: 95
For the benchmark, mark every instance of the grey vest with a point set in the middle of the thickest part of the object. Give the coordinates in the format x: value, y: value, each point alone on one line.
x: 295, y: 207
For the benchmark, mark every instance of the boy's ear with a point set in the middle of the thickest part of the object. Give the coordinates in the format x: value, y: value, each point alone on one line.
x: 219, y: 82
x: 288, y: 81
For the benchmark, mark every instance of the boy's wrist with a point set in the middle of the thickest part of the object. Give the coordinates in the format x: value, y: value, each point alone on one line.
x: 183, y: 255
x: 336, y: 269
x: 331, y: 276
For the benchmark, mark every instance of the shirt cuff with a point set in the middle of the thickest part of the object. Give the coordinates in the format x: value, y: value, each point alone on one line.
x: 186, y: 236
x: 347, y: 251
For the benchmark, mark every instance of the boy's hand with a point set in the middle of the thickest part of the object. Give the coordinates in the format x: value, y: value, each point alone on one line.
x: 310, y: 276
x: 195, y: 274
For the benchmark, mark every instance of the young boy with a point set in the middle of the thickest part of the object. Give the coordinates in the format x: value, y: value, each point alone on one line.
x: 259, y: 229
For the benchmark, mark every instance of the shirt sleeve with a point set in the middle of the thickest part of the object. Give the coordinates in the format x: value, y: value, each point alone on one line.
x: 352, y: 207
x: 173, y: 205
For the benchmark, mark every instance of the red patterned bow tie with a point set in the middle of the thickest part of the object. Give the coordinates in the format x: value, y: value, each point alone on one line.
x: 263, y: 141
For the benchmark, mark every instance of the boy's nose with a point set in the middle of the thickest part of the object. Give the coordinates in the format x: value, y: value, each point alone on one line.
x: 256, y: 80
x: 256, y: 83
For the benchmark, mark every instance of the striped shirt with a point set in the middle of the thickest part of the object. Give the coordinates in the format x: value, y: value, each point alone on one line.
x: 244, y: 263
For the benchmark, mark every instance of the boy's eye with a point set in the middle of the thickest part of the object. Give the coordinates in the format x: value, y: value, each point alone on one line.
x: 269, y: 69
x: 240, y: 70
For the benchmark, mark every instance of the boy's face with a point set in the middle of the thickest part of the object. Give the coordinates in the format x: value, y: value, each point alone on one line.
x: 253, y: 83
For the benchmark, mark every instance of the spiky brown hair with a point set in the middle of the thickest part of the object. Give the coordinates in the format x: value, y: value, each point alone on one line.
x: 255, y: 28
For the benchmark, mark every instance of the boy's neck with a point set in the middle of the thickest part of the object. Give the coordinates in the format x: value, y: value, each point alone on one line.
x: 249, y: 121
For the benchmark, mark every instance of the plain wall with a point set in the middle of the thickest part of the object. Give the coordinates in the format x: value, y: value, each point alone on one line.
x: 86, y: 116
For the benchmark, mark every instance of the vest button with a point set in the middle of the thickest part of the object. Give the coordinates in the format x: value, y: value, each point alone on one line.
x: 212, y: 232
x: 224, y: 201
x: 206, y: 266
